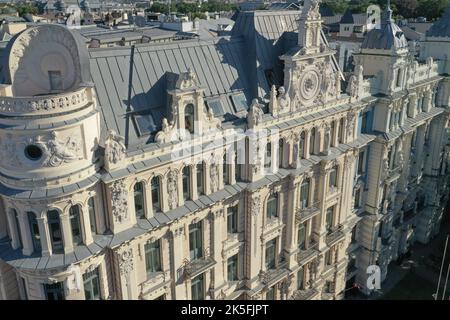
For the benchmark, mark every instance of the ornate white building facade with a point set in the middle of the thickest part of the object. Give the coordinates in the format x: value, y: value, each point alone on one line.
x: 142, y: 173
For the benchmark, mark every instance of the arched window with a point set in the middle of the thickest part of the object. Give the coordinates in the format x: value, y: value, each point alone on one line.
x: 75, y: 224
x: 54, y: 227
x: 156, y: 194
x: 332, y: 133
x: 341, y: 131
x: 189, y: 118
x: 268, y: 156
x: 34, y: 228
x: 280, y: 153
x: 186, y: 183
x: 226, y: 179
x: 139, y: 199
x: 301, y: 146
x: 304, y: 193
x: 333, y: 178
x: 312, y: 141
x: 237, y: 168
x: 14, y: 215
x: 200, y: 179
x: 92, y: 215
x: 272, y: 207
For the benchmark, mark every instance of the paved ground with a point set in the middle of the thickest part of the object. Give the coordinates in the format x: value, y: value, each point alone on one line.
x: 417, y: 277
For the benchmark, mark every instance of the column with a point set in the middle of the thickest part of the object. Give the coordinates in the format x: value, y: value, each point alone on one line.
x: 178, y: 256
x: 148, y: 212
x: 307, y: 143
x: 194, y: 193
x: 291, y: 243
x: 27, y: 242
x: 15, y: 241
x: 219, y: 234
x: 164, y: 194
x: 428, y: 99
x: 207, y: 178
x: 180, y: 188
x: 45, y: 235
x: 220, y: 173
x: 87, y: 225
x: 319, y: 228
x: 66, y: 232
x: 253, y: 237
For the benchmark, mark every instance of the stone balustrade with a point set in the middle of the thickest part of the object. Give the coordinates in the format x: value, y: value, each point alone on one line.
x: 54, y: 103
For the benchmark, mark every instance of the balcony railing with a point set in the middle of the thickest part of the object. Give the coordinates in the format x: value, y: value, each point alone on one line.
x: 271, y: 276
x: 192, y: 268
x: 304, y: 255
x: 52, y: 103
x: 334, y: 235
x: 304, y: 294
x: 303, y: 214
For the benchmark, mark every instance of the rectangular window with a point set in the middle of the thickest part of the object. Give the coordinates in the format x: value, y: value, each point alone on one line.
x: 300, y: 277
x: 55, y: 80
x: 271, y: 254
x: 272, y: 207
x: 301, y: 236
x: 54, y: 291
x: 232, y: 268
x: 357, y: 198
x: 232, y: 219
x: 195, y: 241
x: 268, y: 158
x: 270, y: 295
x: 156, y: 203
x: 198, y: 288
x: 91, y: 281
x: 153, y: 257
x: 226, y: 179
x: 333, y: 178
x: 186, y: 183
x: 200, y: 185
x: 328, y: 258
x: 92, y: 219
x: 329, y: 219
x: 304, y: 194
x: 361, y: 167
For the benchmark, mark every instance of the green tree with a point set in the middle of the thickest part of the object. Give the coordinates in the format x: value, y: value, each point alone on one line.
x: 431, y: 9
x: 26, y: 8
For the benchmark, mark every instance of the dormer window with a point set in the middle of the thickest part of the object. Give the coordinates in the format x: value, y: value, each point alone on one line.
x: 189, y: 118
x: 55, y: 80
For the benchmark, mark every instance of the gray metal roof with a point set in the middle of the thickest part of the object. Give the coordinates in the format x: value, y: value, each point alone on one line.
x: 269, y: 35
x: 390, y: 36
x: 347, y: 18
x: 219, y: 64
x: 441, y: 28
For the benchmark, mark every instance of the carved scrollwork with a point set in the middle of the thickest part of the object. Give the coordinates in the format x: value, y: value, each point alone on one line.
x: 172, y: 182
x: 115, y: 148
x: 126, y: 264
x: 119, y: 197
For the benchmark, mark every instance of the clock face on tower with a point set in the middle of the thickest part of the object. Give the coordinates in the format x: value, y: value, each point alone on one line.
x: 309, y: 84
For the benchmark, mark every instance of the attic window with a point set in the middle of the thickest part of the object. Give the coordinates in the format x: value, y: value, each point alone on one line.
x: 145, y: 124
x: 216, y: 106
x: 239, y: 102
x: 399, y: 34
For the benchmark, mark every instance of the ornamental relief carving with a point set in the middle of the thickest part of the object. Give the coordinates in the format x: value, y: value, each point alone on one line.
x: 115, y: 149
x: 172, y: 190
x: 255, y: 206
x: 126, y: 264
x: 119, y: 199
x: 51, y: 150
